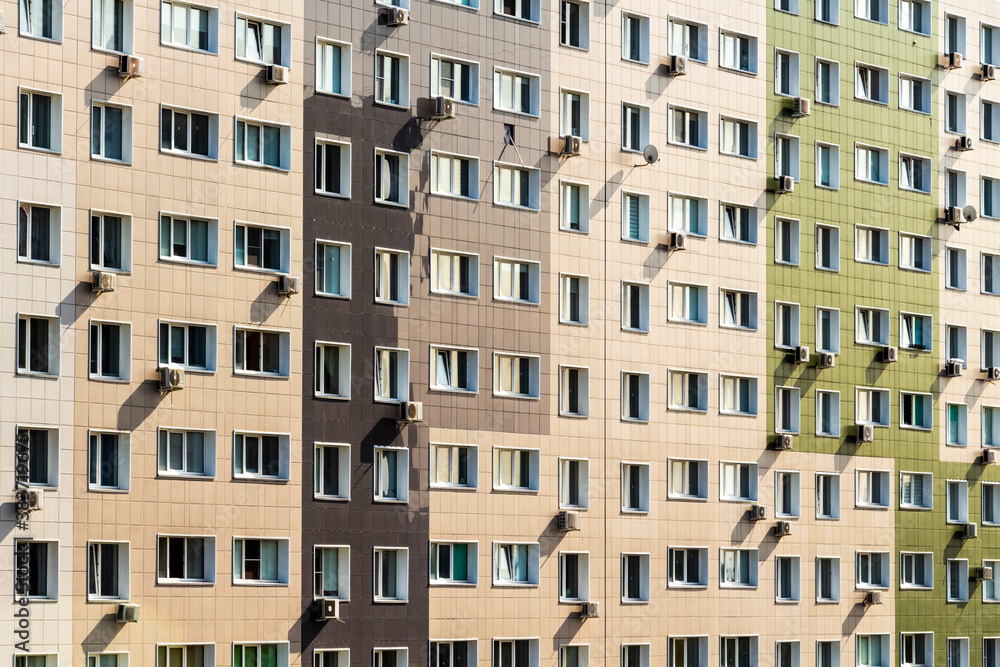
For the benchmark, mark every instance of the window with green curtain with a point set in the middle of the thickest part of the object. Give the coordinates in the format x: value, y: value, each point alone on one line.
x: 460, y: 568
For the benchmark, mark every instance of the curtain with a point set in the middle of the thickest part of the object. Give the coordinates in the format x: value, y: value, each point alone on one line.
x: 195, y: 452
x: 330, y: 572
x: 112, y: 228
x: 268, y: 561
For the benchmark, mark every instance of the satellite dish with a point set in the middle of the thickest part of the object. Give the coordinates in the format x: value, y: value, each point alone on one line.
x: 650, y: 154
x: 970, y: 213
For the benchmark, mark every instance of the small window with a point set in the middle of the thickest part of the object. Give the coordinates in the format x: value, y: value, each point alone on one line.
x: 516, y: 280
x: 916, y: 570
x: 515, y: 652
x: 515, y: 375
x: 871, y: 83
x: 688, y: 390
x: 786, y: 156
x: 261, y: 456
x: 957, y: 580
x: 991, y: 197
x: 98, y: 660
x: 186, y: 453
x: 333, y: 67
x: 635, y: 397
x: 872, y: 10
x: 38, y: 234
x: 259, y: 248
x: 391, y: 469
x: 574, y: 299
x: 107, y: 571
x: 916, y: 490
x: 827, y: 248
x: 574, y: 207
x: 526, y: 10
x: 991, y: 505
x: 574, y: 578
x: 635, y: 38
x: 635, y: 306
x: 332, y: 468
x: 516, y: 92
x: 954, y: 34
x: 688, y: 479
x: 787, y: 404
x: 872, y: 326
x: 260, y: 561
x: 955, y: 188
x: 392, y: 79
x: 37, y: 345
x: 333, y: 269
x: 787, y: 588
x: 827, y: 166
x: 574, y: 114
x: 687, y: 214
x: 990, y: 118
x: 915, y: 173
x: 264, y: 42
x: 454, y: 563
x: 990, y: 44
x: 872, y: 569
x: 828, y: 11
x: 112, y: 25
x: 914, y: 92
x: 915, y: 16
x: 955, y: 268
x: 332, y: 573
x: 689, y: 39
x: 738, y: 395
x: 991, y: 650
x: 828, y: 330
x: 792, y: 7
x: 333, y: 370
x: 574, y: 24
x: 688, y: 127
x: 454, y: 175
x: 392, y: 277
x: 574, y: 391
x: 635, y: 127
x: 333, y: 168
x: 37, y: 455
x: 786, y: 241
x: 189, y: 346
x: 738, y: 137
x: 635, y: 487
x: 872, y: 650
x: 189, y: 133
x: 515, y: 564
x: 187, y: 239
x: 390, y: 657
x: 872, y: 488
x: 688, y: 303
x: 455, y: 466
x: 392, y: 374
x: 392, y: 178
x: 110, y: 242
x: 455, y: 79
x: 38, y: 570
x: 957, y: 501
x: 954, y: 112
x: 871, y: 164
x: 40, y: 120
x: 454, y: 273
x: 189, y: 27
x: 786, y: 494
x: 957, y: 415
x: 827, y: 587
x: 110, y: 351
x: 42, y: 19
x: 786, y: 73
x: 991, y: 426
x: 916, y: 649
x: 827, y: 80
x: 739, y: 223
x: 692, y: 652
x: 873, y: 407
x: 261, y: 352
x: 454, y: 369
x: 828, y: 413
x: 956, y: 651
x: 515, y: 469
x: 915, y: 332
x: 390, y: 576
x: 871, y: 245
x: 738, y: 52
x: 738, y: 481
x: 738, y: 568
x: 688, y: 566
x: 515, y: 186
x: 991, y: 274
x: 635, y: 587
x: 739, y: 309
x: 190, y: 655
x: 260, y: 144
x: 111, y: 132
x: 185, y: 560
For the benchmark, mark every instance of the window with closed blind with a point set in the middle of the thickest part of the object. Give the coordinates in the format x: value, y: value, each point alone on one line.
x: 635, y: 217
x: 916, y: 490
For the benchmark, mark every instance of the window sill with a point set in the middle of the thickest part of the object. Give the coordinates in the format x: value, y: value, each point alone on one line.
x: 459, y: 5
x: 260, y: 63
x: 828, y: 518
x: 515, y: 112
x: 335, y: 499
x: 778, y: 93
x: 752, y: 415
x: 866, y: 587
x: 679, y: 408
x: 513, y: 489
x: 870, y: 101
x: 834, y: 24
x: 571, y: 46
x: 781, y: 262
x: 389, y: 501
x: 99, y: 378
x: 676, y: 585
x: 108, y: 160
x: 400, y: 304
x: 260, y: 165
x: 573, y: 415
x: 194, y: 371
x: 863, y: 18
x: 956, y: 444
x: 325, y: 295
x: 28, y: 35
x: 257, y: 478
x: 571, y: 323
x: 871, y: 182
x: 453, y: 390
x: 512, y: 584
x: 835, y: 105
x: 388, y: 601
x: 520, y: 397
x: 517, y: 19
x: 180, y: 475
x: 636, y: 331
x: 872, y: 343
x: 260, y: 584
x: 104, y: 269
x: 819, y: 601
x: 911, y: 587
x: 189, y: 262
x: 34, y: 600
x: 703, y: 149
x: 786, y: 432
x: 915, y: 191
x: 390, y: 401
x: 635, y: 62
x: 634, y: 603
x: 185, y: 47
x: 582, y: 232
x: 274, y: 376
x: 737, y: 70
x: 786, y: 602
x: 831, y: 188
x: 723, y: 499
x: 642, y: 242
x: 828, y: 270
x: 258, y: 269
x: 751, y: 158
x: 735, y: 328
x: 451, y: 195
x: 181, y: 582
x: 696, y: 499
x: 392, y: 204
x: 530, y: 209
x: 914, y: 349
x: 738, y: 586
x: 99, y: 600
x: 192, y: 156
x: 454, y: 487
x: 452, y: 584
x: 906, y: 427
x: 36, y: 149
x: 330, y: 397
x: 629, y: 510
x: 865, y: 506
x: 914, y: 32
x: 37, y: 262
x: 918, y: 111
x: 688, y: 322
x: 106, y: 489
x: 35, y: 374
x: 460, y: 295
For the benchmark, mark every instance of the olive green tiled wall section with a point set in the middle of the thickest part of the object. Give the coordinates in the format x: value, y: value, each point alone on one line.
x: 856, y: 202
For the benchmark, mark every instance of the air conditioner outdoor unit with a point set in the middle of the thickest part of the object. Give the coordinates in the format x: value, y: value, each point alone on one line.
x: 398, y: 17
x: 988, y: 73
x: 444, y: 107
x: 872, y: 598
x: 782, y: 528
x: 970, y: 531
x: 801, y: 107
x: 783, y: 442
x: 993, y: 373
x: 278, y: 74
x: 989, y: 456
x: 758, y: 513
x: 964, y: 143
x: 568, y: 521
x: 412, y: 411
x: 827, y: 360
x: 953, y: 368
x: 786, y: 184
x: 101, y: 281
x: 953, y: 214
x: 866, y: 433
x: 677, y: 65
x: 983, y: 573
x: 890, y: 355
x: 950, y: 60
x: 802, y: 354
x: 171, y: 379
x: 129, y: 66
x: 571, y: 145
x: 29, y: 500
x: 590, y: 610
x: 328, y: 610
x: 288, y: 285
x: 127, y: 613
x: 678, y: 241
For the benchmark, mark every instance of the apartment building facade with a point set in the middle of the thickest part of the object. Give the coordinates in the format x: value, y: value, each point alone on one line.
x: 535, y: 333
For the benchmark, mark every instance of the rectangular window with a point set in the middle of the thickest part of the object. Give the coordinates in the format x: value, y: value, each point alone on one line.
x: 688, y: 127
x: 263, y: 42
x: 185, y: 559
x: 515, y: 375
x: 635, y: 127
x: 787, y: 406
x: 916, y: 490
x: 739, y: 395
x: 635, y: 578
x: 786, y: 156
x: 956, y: 651
x: 991, y: 197
x: 183, y: 655
x: 915, y: 16
x: 872, y: 488
x: 689, y: 39
x: 872, y: 326
x: 916, y: 649
x: 738, y: 137
x: 688, y: 303
x: 957, y: 583
x: 38, y: 233
x: 454, y: 175
x: 828, y: 11
x: 635, y: 217
x: 112, y: 25
x: 515, y: 564
x: 515, y: 186
x: 790, y: 6
x: 916, y: 332
x: 635, y: 397
x: 261, y: 352
x: 915, y: 173
x: 991, y: 426
x: 574, y: 24
x: 99, y: 660
x: 333, y: 168
x: 37, y: 345
x: 955, y: 188
x: 263, y: 145
x: 873, y: 406
x: 786, y: 73
x: 688, y: 390
x: 990, y: 119
x: 691, y: 652
x: 688, y: 479
x: 259, y: 455
x: 827, y: 80
x: 574, y: 114
x: 914, y: 93
x: 454, y: 369
x: 110, y: 242
x: 574, y: 299
x: 392, y: 79
x: 454, y: 563
x: 828, y: 330
x: 186, y: 453
x: 827, y: 583
x: 957, y: 424
x: 635, y: 306
x: 574, y: 577
x: 827, y: 248
x: 37, y: 564
x: 333, y: 269
x: 872, y: 651
x: 954, y: 113
x: 526, y: 10
x: 391, y: 469
x: 333, y: 370
x: 392, y: 178
x: 871, y: 245
x: 392, y: 277
x: 454, y: 466
x: 916, y: 570
x: 262, y: 248
x: 871, y: 164
x: 991, y: 273
x: 786, y: 241
x: 871, y: 83
x: 872, y: 10
x: 41, y: 447
x: 333, y: 67
x: 574, y: 207
x: 111, y: 132
x: 332, y: 573
x: 739, y: 309
x: 574, y: 390
x: 955, y: 268
x: 738, y: 52
x: 189, y: 27
x: 260, y: 561
x: 40, y: 120
x: 332, y: 468
x: 515, y: 280
x: 991, y: 505
x: 954, y: 34
x: 872, y: 569
x: 193, y: 240
x: 42, y: 19
x: 738, y: 481
x: 827, y: 413
x: 516, y: 92
x: 191, y: 133
x: 739, y: 223
x: 827, y: 166
x: 957, y: 501
x: 455, y: 79
x: 786, y: 494
x: 455, y: 274
x: 515, y: 469
x: 738, y: 567
x: 515, y: 652
x: 787, y: 589
x: 390, y: 657
x: 635, y: 38
x: 688, y: 566
x: 107, y: 571
x: 110, y: 351
x: 635, y: 487
x: 189, y: 346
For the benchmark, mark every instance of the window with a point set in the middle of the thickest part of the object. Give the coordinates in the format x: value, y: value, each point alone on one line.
x: 390, y: 657
x: 635, y: 306
x: 635, y: 578
x: 957, y: 501
x: 738, y: 567
x: 739, y: 395
x: 915, y: 95
x: 454, y: 369
x: 111, y: 23
x: 333, y: 67
x: 786, y: 409
x: 956, y: 651
x: 333, y: 370
x: 515, y: 375
x: 186, y: 239
x: 991, y: 504
x: 990, y: 349
x: 990, y: 45
x: 873, y: 406
x: 102, y: 660
x: 990, y: 592
x: 516, y: 280
x: 689, y: 39
x: 333, y: 269
x: 455, y: 79
x: 107, y: 571
x: 872, y: 245
x: 190, y: 133
x: 827, y: 80
x: 955, y: 188
x: 42, y: 19
x: 263, y: 456
x: 391, y: 468
x: 392, y: 178
x: 332, y: 573
x: 635, y: 487
x: 828, y: 11
x: 739, y: 309
x: 392, y: 277
x: 635, y: 127
x: 635, y: 396
x: 991, y: 426
x: 515, y: 469
x: 916, y: 331
x: 40, y: 120
x: 515, y: 564
x: 739, y: 137
x: 189, y: 27
x: 871, y: 164
x: 827, y: 248
x: 916, y: 649
x: 786, y: 241
x: 688, y: 479
x: 333, y: 168
x: 915, y: 16
x: 991, y: 650
x: 688, y: 390
x: 827, y: 579
x: 916, y: 570
x: 392, y: 79
x: 263, y: 42
x: 954, y: 113
x: 574, y: 299
x: 871, y: 83
x: 454, y: 562
x: 690, y: 652
x: 574, y: 398
x: 957, y: 580
x: 786, y: 494
x: 958, y: 424
x: 259, y: 248
x: 688, y: 566
x: 872, y: 326
x: 110, y: 351
x: 516, y: 92
x: 635, y: 38
x: 189, y: 655
x: 739, y: 223
x: 872, y: 488
x: 787, y: 589
x: 574, y: 577
x: 38, y: 449
x: 915, y: 174
x: 827, y: 166
x: 828, y: 330
x: 260, y: 144
x: 827, y: 413
x: 574, y: 114
x: 916, y: 490
x: 827, y: 496
x: 792, y: 7
x: 259, y: 351
x: 189, y: 346
x: 260, y: 561
x: 40, y: 559
x: 872, y: 10
x: 738, y: 481
x: 688, y: 303
x: 688, y: 128
x: 574, y: 207
x: 515, y: 652
x: 454, y: 274
x: 526, y: 10
x: 332, y: 470
x: 515, y: 186
x: 991, y: 197
x: 738, y: 52
x: 37, y: 345
x: 990, y: 119
x: 872, y: 650
x: 687, y: 214
x: 954, y: 34
x: 454, y: 466
x: 454, y: 175
x: 786, y: 73
x: 185, y: 452
x: 111, y: 132
x: 872, y: 569
x: 955, y: 270
x: 185, y: 560
x: 38, y: 232
x: 574, y: 24
x: 786, y: 156
x: 110, y: 242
